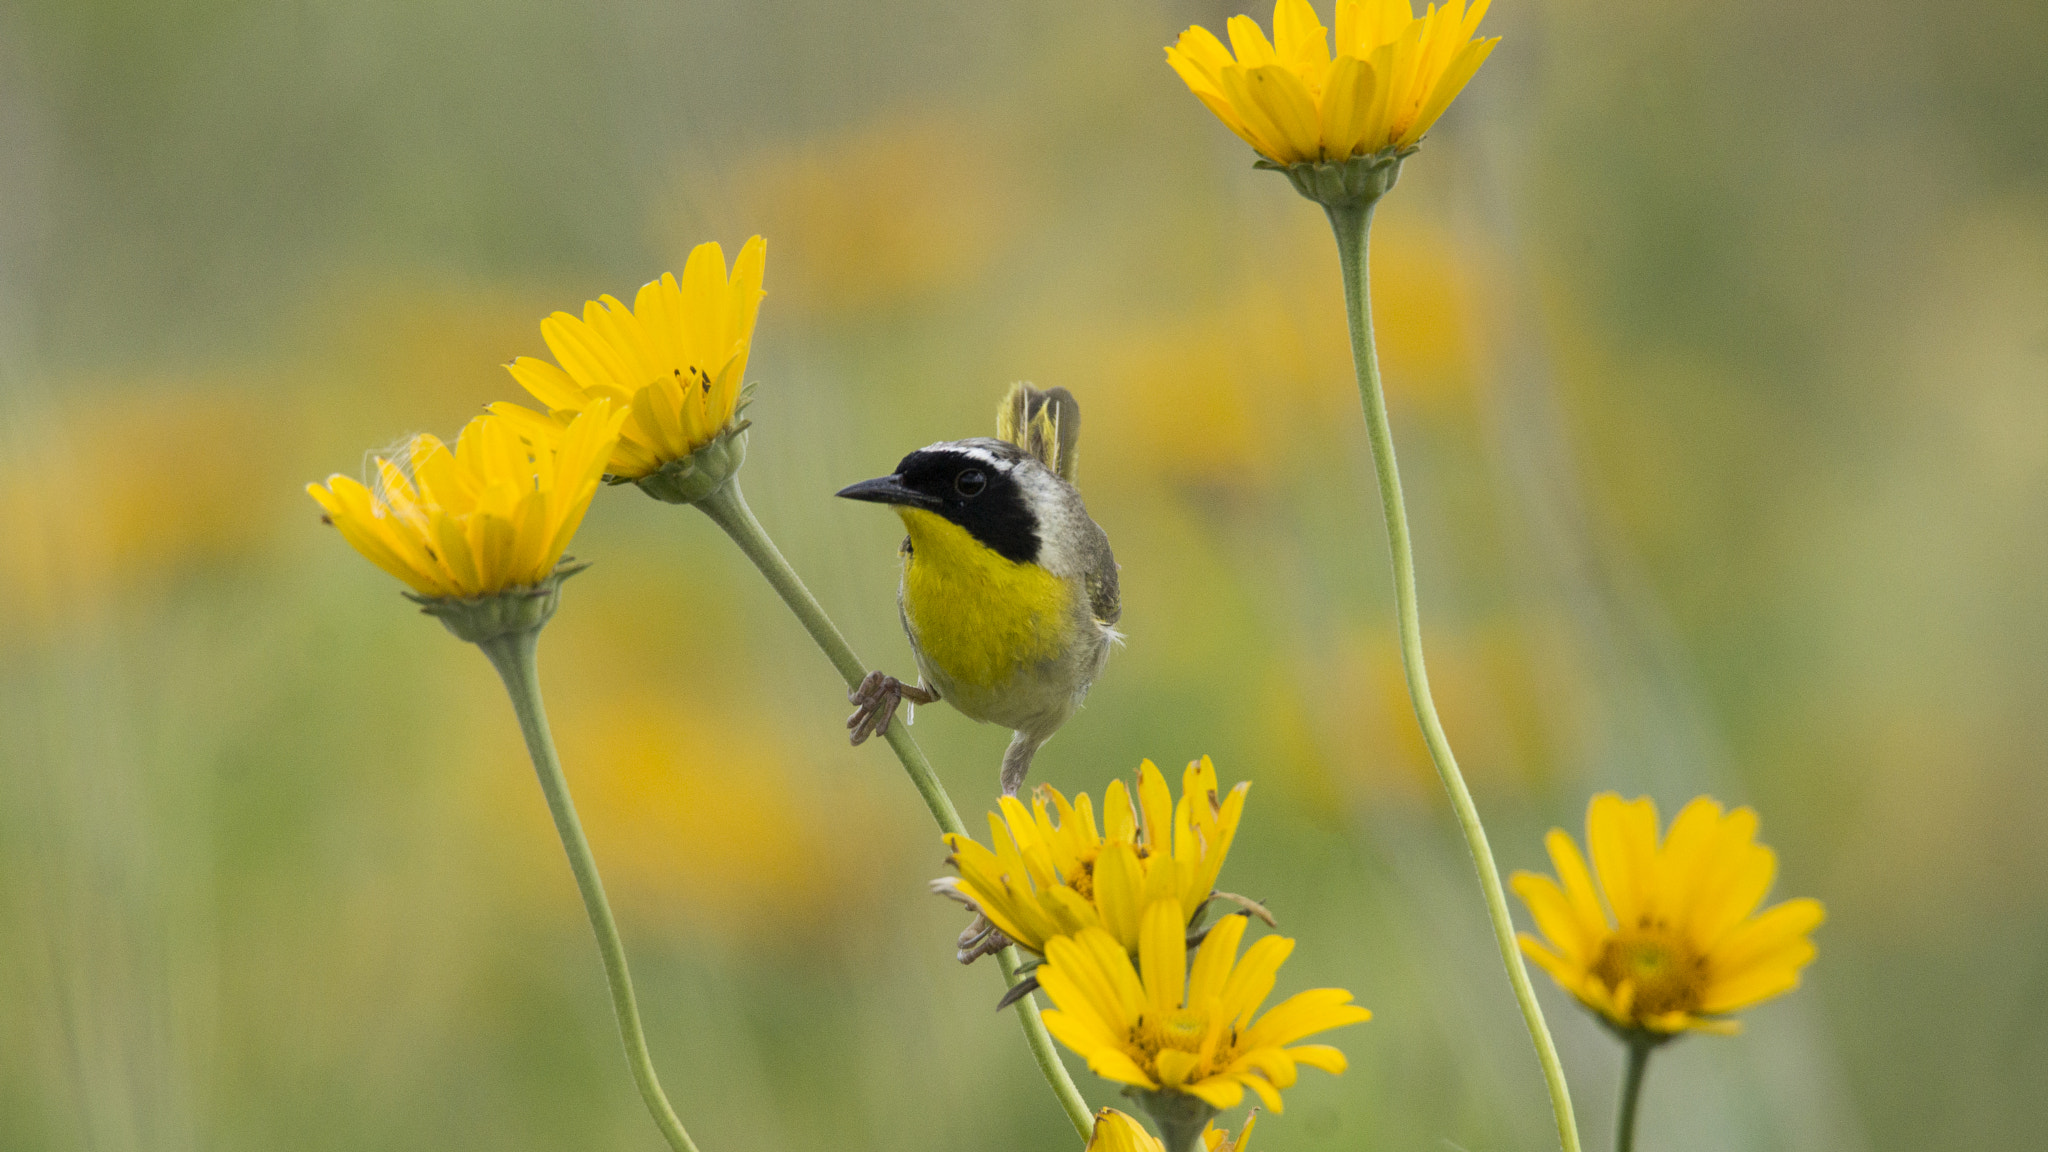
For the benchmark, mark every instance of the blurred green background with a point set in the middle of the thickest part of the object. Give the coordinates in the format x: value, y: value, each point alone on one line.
x: 1717, y: 339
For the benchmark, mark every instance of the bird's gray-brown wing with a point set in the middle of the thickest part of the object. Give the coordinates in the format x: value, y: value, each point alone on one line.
x: 1105, y: 600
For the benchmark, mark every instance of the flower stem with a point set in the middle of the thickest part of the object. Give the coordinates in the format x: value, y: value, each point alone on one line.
x: 728, y: 509
x: 1631, y: 1092
x: 513, y: 655
x: 1351, y: 224
x: 1179, y: 1117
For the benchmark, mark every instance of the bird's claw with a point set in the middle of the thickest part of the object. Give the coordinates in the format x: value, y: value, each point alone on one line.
x: 982, y: 938
x: 875, y: 702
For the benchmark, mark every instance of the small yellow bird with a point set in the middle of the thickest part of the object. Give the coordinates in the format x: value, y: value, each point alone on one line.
x: 1009, y: 590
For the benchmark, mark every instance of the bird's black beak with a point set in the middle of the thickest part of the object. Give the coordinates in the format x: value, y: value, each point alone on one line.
x: 888, y: 490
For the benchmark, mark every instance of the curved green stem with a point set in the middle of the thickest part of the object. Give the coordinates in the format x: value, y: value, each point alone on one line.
x: 1352, y: 223
x: 1631, y: 1092
x: 728, y: 509
x: 513, y: 656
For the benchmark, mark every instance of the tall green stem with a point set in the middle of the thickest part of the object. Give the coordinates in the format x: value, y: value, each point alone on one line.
x: 728, y: 509
x: 513, y: 655
x: 1631, y: 1092
x: 1352, y: 225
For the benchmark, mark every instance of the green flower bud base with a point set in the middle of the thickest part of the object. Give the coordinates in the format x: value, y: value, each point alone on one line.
x: 509, y: 613
x: 1351, y: 183
x: 696, y: 477
x: 1179, y: 1117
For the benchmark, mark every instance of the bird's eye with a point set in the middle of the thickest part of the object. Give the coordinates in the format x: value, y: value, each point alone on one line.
x: 970, y: 483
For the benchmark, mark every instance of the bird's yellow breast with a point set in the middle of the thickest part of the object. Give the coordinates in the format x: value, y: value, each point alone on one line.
x: 977, y: 615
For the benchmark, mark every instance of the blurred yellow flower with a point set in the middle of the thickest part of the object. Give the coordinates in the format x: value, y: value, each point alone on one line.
x: 1118, y: 1132
x: 84, y: 510
x: 701, y: 811
x: 1046, y: 879
x: 1163, y: 1026
x: 494, y: 514
x: 1684, y: 945
x: 1392, y: 75
x: 678, y: 357
x: 886, y: 213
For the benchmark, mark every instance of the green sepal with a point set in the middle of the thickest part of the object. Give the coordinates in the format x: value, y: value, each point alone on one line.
x: 1352, y: 183
x: 1635, y: 1037
x: 1179, y: 1116
x: 515, y: 610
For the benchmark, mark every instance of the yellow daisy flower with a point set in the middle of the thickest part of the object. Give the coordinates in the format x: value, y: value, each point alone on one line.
x: 1118, y: 1132
x: 1165, y: 1027
x: 1677, y: 942
x: 1048, y: 877
x: 494, y: 514
x: 1290, y: 98
x: 678, y: 357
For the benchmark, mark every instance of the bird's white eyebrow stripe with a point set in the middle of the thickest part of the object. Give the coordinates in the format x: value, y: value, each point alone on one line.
x: 982, y: 454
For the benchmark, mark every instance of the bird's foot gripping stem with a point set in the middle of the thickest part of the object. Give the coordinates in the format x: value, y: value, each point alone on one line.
x: 875, y: 703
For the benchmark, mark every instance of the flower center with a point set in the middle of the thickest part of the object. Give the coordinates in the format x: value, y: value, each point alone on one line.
x: 1083, y: 879
x: 1181, y: 1030
x: 1668, y: 976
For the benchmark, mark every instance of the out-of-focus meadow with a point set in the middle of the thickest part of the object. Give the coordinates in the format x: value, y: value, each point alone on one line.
x: 1717, y: 340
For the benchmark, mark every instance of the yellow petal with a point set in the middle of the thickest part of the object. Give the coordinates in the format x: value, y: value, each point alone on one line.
x: 1252, y: 980
x: 1163, y: 956
x: 746, y: 294
x: 1174, y: 1066
x: 1116, y: 1132
x: 1305, y: 1014
x: 1320, y: 1056
x: 1299, y: 39
x: 1119, y: 821
x: 1281, y: 107
x: 1119, y: 891
x: 1733, y: 894
x: 1764, y: 934
x: 1552, y: 912
x: 1204, y: 879
x: 1249, y: 43
x: 1577, y: 883
x: 1207, y: 85
x: 1268, y: 1095
x: 1082, y: 823
x: 1566, y: 973
x: 1213, y: 960
x: 357, y: 527
x: 547, y: 383
x: 1156, y: 805
x: 1221, y: 1093
x: 1079, y: 983
x: 584, y: 355
x: 1623, y: 837
x: 1453, y: 81
x: 1685, y: 861
x: 1345, y: 107
x: 1760, y: 981
x: 1204, y: 52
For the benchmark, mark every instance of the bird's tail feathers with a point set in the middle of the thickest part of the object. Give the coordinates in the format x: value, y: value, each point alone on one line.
x: 1046, y: 424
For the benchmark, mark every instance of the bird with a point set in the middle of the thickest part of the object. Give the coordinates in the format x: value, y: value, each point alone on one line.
x: 1009, y: 592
